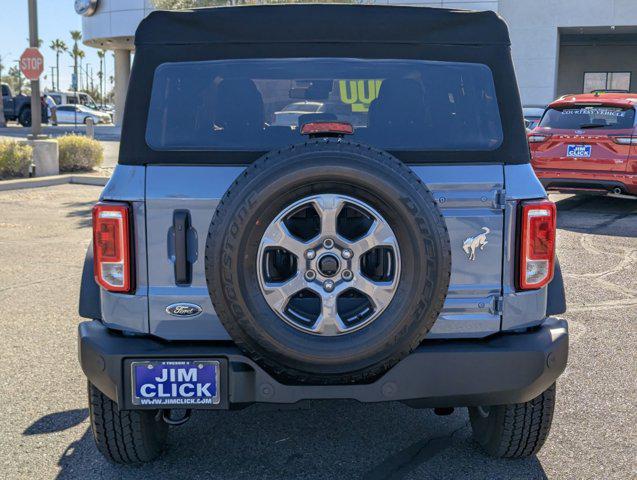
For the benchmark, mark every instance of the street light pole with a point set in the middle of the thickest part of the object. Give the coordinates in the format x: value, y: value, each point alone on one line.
x: 36, y: 108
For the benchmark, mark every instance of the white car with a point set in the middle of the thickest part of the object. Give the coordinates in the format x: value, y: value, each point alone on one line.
x: 80, y: 114
x: 289, y: 115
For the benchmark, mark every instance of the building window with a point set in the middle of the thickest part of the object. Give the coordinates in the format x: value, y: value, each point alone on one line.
x: 606, y: 81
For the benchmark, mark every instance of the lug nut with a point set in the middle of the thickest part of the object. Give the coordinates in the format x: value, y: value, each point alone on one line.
x: 310, y: 275
x: 328, y: 285
x: 310, y: 254
x: 347, y: 254
x: 328, y: 243
x: 347, y: 275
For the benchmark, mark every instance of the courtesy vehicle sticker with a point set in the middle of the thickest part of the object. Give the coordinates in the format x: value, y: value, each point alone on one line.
x: 601, y: 112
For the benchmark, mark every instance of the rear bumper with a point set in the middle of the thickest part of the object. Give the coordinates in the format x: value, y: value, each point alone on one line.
x: 577, y: 180
x: 506, y: 368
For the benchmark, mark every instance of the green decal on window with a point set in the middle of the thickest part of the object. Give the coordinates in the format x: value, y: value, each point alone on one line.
x: 359, y: 93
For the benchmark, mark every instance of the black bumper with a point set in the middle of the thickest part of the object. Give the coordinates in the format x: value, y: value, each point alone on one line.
x: 503, y: 369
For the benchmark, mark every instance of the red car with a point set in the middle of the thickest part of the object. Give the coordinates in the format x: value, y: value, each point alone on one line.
x: 587, y: 142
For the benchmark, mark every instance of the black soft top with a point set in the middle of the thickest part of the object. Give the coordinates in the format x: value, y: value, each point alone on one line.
x: 318, y: 23
x: 314, y: 31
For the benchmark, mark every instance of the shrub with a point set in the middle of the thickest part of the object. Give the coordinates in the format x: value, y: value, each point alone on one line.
x: 78, y: 152
x: 15, y: 159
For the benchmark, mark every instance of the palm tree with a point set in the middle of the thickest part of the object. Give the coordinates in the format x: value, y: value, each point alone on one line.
x: 58, y: 46
x: 39, y: 42
x: 80, y: 56
x: 101, y: 54
x: 15, y: 74
x: 76, y: 36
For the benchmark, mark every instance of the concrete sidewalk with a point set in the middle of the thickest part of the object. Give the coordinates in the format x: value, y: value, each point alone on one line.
x: 105, y: 133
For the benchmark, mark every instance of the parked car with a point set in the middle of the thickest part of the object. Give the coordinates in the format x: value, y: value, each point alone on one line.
x: 80, y: 114
x: 408, y: 257
x: 290, y: 114
x: 532, y: 116
x: 587, y: 143
x: 108, y: 108
x: 18, y: 107
x: 73, y: 98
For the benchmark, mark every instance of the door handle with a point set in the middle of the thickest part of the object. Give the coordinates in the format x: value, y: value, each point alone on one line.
x: 183, y: 267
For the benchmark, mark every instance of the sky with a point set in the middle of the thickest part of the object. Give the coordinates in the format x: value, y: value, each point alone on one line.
x: 55, y: 19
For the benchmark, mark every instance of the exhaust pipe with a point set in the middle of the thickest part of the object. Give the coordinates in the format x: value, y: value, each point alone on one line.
x: 617, y: 191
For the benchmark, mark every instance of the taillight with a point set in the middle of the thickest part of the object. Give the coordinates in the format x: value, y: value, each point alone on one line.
x: 625, y: 140
x: 537, y: 244
x: 111, y: 246
x: 536, y: 138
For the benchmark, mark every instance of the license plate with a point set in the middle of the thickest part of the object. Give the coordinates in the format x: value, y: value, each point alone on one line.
x: 176, y: 383
x: 578, y: 151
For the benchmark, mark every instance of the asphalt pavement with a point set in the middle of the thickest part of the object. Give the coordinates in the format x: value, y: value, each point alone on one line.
x: 45, y: 432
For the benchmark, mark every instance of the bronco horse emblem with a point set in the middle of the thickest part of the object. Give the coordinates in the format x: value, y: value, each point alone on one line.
x: 471, y: 244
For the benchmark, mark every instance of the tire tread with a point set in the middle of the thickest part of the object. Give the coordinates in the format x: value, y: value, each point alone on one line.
x: 124, y: 436
x: 516, y: 430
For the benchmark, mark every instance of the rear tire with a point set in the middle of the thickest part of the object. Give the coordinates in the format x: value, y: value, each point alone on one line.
x: 126, y: 437
x: 516, y: 430
x: 25, y: 117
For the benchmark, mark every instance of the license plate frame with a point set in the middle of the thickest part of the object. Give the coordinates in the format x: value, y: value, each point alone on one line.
x: 578, y: 151
x: 215, y: 401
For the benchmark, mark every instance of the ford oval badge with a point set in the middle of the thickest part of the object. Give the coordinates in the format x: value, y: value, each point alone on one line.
x: 183, y: 310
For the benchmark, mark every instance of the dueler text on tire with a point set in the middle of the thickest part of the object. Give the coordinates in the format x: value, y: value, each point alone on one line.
x: 328, y: 262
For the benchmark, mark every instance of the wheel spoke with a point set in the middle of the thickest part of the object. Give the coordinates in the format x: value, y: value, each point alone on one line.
x: 279, y: 294
x: 378, y: 293
x: 328, y: 207
x: 329, y: 321
x: 278, y: 235
x: 379, y: 234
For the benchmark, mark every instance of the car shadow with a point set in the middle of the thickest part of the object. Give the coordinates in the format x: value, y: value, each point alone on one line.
x: 81, y: 211
x: 57, y: 422
x: 331, y: 440
x: 596, y: 214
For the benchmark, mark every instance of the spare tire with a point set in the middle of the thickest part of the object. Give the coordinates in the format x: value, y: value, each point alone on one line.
x: 328, y: 262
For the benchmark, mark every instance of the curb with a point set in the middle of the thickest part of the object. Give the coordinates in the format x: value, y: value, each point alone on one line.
x: 21, y: 183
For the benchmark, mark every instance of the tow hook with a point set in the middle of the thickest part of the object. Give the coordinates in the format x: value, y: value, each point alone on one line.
x: 165, y: 415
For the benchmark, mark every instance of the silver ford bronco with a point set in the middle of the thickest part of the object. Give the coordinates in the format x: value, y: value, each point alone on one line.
x: 322, y: 202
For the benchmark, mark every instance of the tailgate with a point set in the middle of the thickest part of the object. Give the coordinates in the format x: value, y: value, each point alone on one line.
x: 470, y: 198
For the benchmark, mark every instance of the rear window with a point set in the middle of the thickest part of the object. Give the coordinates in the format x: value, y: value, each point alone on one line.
x: 584, y: 117
x: 259, y: 105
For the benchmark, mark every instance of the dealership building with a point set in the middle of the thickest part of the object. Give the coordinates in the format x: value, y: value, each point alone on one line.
x: 558, y: 46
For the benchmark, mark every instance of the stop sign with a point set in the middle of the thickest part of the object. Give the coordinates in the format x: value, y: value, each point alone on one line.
x: 32, y: 63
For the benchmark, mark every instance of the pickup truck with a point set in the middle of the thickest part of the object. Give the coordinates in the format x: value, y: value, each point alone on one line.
x: 18, y: 107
